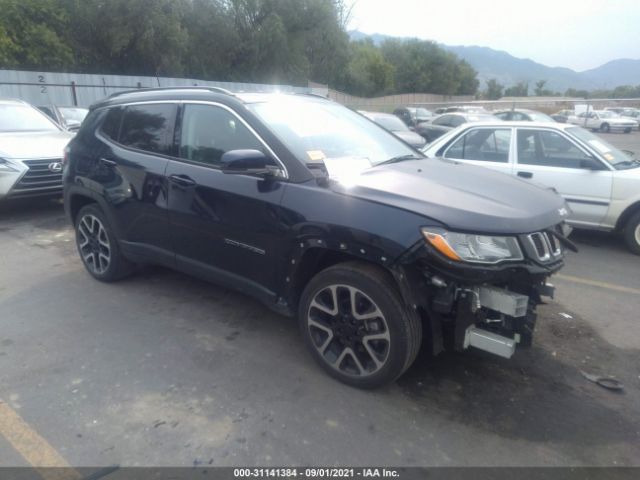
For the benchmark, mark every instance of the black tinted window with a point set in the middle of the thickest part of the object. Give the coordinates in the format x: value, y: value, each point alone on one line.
x: 208, y: 132
x: 111, y: 124
x: 148, y: 127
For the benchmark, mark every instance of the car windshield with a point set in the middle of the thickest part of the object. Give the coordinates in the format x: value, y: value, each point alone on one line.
x: 390, y: 122
x: 24, y: 118
x: 76, y: 114
x: 316, y: 131
x: 611, y: 154
x: 540, y: 117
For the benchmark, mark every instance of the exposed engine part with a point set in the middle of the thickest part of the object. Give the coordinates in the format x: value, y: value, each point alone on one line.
x: 489, y: 342
x: 503, y: 301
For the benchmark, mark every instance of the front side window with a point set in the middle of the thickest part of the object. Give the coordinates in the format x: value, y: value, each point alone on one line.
x: 149, y: 127
x: 208, y: 132
x: 547, y: 148
x: 485, y: 144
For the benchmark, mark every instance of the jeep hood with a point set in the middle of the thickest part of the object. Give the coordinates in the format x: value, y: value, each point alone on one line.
x: 31, y: 145
x: 463, y: 197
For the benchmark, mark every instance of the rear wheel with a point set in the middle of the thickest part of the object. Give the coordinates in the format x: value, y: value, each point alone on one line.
x: 627, y: 130
x: 355, y: 324
x: 632, y: 233
x: 98, y: 247
x: 605, y: 128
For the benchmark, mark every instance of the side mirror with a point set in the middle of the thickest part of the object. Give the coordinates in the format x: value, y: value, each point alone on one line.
x: 73, y: 125
x: 248, y: 162
x: 590, y: 164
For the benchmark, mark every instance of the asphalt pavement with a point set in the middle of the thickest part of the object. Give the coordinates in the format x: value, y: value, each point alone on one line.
x: 164, y: 369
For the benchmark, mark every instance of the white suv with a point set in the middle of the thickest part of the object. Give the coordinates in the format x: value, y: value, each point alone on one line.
x: 600, y: 182
x: 31, y: 150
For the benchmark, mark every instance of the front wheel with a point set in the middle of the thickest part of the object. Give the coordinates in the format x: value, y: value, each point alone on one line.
x: 605, y: 128
x: 355, y: 324
x: 627, y: 130
x: 632, y: 233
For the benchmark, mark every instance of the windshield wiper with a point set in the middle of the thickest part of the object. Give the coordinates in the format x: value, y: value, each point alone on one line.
x: 633, y: 161
x: 400, y: 158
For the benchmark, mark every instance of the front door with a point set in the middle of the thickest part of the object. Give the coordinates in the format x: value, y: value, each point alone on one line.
x: 549, y: 158
x: 224, y: 226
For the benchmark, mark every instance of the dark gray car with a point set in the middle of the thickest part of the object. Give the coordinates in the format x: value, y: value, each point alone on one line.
x: 397, y: 127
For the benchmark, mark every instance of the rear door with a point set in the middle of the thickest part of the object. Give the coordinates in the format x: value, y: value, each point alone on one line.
x: 550, y: 158
x: 129, y: 175
x: 484, y: 146
x: 224, y: 227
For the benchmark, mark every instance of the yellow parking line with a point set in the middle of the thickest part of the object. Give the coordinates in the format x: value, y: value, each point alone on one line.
x: 35, y: 449
x: 596, y: 283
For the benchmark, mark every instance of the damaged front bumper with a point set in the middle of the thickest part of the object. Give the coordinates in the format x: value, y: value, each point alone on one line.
x: 491, y: 308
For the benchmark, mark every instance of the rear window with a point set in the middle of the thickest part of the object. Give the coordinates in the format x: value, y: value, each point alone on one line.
x: 148, y: 127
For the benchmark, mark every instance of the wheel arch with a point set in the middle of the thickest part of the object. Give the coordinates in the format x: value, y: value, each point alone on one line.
x: 630, y: 211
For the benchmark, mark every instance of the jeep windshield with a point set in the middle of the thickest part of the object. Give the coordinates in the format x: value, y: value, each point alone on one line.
x: 23, y: 118
x: 324, y: 132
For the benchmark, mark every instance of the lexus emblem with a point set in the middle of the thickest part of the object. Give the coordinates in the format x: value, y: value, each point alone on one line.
x: 55, y: 167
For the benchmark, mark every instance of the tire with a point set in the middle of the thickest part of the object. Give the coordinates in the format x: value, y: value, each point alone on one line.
x: 368, y: 346
x: 605, y: 128
x: 632, y: 233
x: 98, y: 247
x: 627, y: 130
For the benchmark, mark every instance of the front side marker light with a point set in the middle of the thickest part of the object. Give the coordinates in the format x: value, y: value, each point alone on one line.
x: 438, y: 242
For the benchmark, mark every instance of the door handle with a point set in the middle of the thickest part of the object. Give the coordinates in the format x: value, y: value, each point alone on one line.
x: 182, y: 180
x: 107, y: 162
x: 525, y: 174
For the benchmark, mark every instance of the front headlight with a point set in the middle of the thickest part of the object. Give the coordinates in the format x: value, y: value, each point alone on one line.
x: 5, y: 166
x: 469, y: 247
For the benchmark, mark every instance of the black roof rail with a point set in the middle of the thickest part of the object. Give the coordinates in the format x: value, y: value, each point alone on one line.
x: 161, y: 89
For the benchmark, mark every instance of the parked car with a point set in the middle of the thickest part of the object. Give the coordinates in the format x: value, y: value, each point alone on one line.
x: 31, y: 148
x: 524, y: 115
x: 320, y: 214
x: 69, y: 118
x: 397, y: 127
x: 600, y: 182
x: 604, y: 121
x: 448, y: 121
x: 461, y: 108
x: 412, y: 116
x: 563, y: 115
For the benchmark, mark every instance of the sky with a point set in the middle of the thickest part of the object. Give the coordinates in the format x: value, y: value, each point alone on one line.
x: 578, y: 34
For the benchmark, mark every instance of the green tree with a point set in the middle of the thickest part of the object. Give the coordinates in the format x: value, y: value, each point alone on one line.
x: 131, y: 37
x: 494, y: 90
x: 367, y: 73
x: 423, y: 66
x: 519, y: 90
x: 32, y: 35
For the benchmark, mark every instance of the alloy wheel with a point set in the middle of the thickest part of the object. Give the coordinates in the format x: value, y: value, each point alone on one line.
x: 93, y: 244
x: 349, y: 330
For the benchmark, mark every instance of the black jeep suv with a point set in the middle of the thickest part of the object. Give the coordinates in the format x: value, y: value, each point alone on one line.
x: 320, y: 214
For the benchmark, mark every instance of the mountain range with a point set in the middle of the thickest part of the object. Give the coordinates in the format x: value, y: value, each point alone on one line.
x: 509, y: 70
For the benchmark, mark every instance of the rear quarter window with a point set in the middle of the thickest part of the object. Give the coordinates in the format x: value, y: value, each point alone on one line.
x: 111, y: 124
